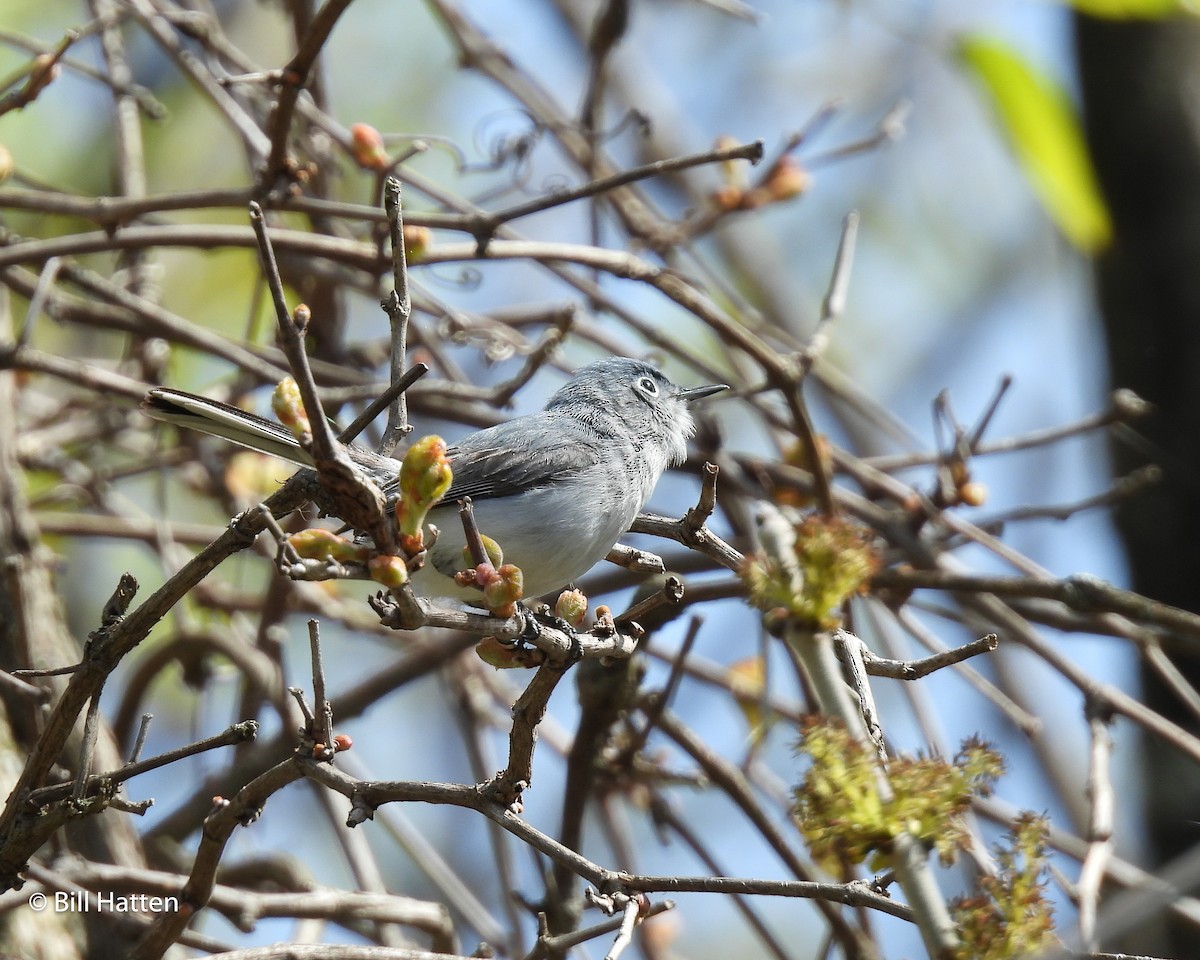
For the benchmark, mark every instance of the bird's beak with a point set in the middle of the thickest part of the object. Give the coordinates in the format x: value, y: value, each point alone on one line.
x: 695, y: 393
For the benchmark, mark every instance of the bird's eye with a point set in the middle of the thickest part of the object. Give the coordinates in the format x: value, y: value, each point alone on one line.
x: 648, y: 386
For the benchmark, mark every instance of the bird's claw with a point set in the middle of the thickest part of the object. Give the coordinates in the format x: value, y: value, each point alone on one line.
x: 534, y: 620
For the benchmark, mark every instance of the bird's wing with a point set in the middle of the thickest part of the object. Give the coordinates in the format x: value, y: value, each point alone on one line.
x: 520, y: 455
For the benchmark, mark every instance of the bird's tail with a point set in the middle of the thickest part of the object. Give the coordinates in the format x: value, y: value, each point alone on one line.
x: 225, y: 421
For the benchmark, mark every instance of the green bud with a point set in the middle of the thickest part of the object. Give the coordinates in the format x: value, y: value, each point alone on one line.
x: 317, y: 544
x: 571, y: 606
x: 391, y: 571
x: 490, y: 547
x: 502, y: 656
x: 502, y: 593
x: 425, y: 476
x: 289, y: 408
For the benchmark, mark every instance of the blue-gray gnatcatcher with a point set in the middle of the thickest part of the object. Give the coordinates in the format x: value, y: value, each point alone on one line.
x: 555, y: 489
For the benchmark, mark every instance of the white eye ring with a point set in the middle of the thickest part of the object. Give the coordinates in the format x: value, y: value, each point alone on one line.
x: 648, y: 386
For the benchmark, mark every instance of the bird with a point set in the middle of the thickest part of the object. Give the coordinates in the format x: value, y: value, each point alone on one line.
x: 555, y: 489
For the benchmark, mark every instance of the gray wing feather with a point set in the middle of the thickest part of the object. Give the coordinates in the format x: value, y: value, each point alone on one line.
x: 520, y: 455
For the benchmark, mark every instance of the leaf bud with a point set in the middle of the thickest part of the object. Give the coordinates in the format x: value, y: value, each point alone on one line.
x: 289, y: 408
x: 390, y: 571
x: 317, y: 544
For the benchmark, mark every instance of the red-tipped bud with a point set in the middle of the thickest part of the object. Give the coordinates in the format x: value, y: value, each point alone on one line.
x: 317, y: 544
x: 392, y: 572
x: 787, y: 179
x: 605, y: 624
x: 369, y: 150
x: 728, y: 197
x: 502, y: 593
x: 467, y: 578
x: 412, y: 544
x: 343, y: 742
x: 289, y: 408
x: 486, y: 573
x: 973, y: 493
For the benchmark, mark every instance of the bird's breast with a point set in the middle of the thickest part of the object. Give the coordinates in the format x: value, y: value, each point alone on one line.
x: 554, y: 533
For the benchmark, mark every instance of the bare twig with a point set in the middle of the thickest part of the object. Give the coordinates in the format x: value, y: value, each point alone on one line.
x: 243, y: 732
x: 291, y: 81
x: 240, y: 810
x: 671, y: 593
x: 90, y: 731
x: 1101, y: 820
x: 323, y: 733
x: 486, y: 225
x: 629, y: 918
x: 140, y: 740
x: 398, y: 306
x: 691, y: 529
x: 661, y: 700
x: 834, y: 304
x: 376, y: 407
x: 42, y: 71
x: 877, y: 666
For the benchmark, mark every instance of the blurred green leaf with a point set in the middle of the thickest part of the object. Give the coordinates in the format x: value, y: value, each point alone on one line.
x: 1043, y: 128
x: 1134, y: 9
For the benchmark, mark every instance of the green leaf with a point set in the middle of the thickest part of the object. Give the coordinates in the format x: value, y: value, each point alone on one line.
x: 1043, y: 129
x: 1134, y: 9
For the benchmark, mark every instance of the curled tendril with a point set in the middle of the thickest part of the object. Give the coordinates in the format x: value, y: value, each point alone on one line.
x: 433, y: 140
x: 507, y: 148
x: 632, y: 118
x: 463, y: 278
x: 497, y: 340
x: 556, y: 183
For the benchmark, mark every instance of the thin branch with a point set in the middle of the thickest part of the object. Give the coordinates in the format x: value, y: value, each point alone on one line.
x: 508, y: 785
x: 291, y: 81
x: 91, y: 728
x: 1101, y: 820
x: 1125, y: 407
x: 376, y: 407
x: 323, y: 734
x: 629, y: 919
x: 140, y: 740
x: 878, y: 666
x: 370, y: 794
x: 357, y: 497
x: 661, y: 700
x: 834, y: 304
x: 556, y: 946
x: 243, y: 732
x: 487, y: 224
x: 670, y: 594
x: 42, y: 71
x: 398, y: 306
x: 240, y: 810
